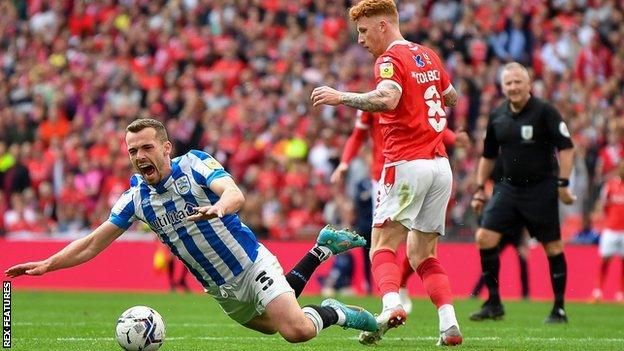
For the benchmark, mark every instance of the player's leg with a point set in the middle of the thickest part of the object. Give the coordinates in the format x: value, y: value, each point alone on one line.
x: 522, y: 246
x: 539, y: 208
x: 499, y: 216
x: 385, y: 269
x: 516, y: 238
x: 421, y: 250
x: 406, y: 273
x: 330, y: 241
x: 596, y: 295
x: 422, y: 254
x: 558, y: 279
x: 386, y: 274
x: 284, y: 316
x: 396, y: 197
x: 619, y: 296
x: 264, y: 301
x: 607, y: 248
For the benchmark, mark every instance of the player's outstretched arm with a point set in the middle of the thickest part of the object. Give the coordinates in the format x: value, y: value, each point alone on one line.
x: 231, y: 199
x: 384, y: 98
x: 77, y: 252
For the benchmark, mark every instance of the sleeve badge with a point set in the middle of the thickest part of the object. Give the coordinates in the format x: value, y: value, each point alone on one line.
x: 212, y: 163
x: 386, y: 70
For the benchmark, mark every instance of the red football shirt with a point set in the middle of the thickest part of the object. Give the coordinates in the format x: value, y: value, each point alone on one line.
x: 367, y: 123
x: 413, y: 130
x: 613, y: 199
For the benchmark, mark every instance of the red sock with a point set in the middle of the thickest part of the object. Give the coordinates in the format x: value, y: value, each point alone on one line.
x: 406, y: 272
x: 385, y: 271
x: 436, y: 282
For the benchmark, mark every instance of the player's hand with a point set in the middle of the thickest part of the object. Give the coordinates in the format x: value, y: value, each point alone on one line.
x: 325, y: 96
x: 339, y: 173
x: 206, y: 212
x: 30, y: 268
x: 566, y: 196
x: 478, y: 202
x: 462, y: 139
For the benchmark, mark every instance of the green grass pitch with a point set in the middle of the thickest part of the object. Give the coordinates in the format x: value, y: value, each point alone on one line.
x: 86, y: 321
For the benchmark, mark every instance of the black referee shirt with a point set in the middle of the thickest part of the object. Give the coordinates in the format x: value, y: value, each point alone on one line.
x: 527, y: 141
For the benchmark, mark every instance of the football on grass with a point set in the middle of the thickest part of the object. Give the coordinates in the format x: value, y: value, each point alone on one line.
x: 140, y: 328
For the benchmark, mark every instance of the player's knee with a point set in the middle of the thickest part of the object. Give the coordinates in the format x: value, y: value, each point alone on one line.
x: 416, y: 259
x: 268, y: 331
x: 297, y: 333
x: 486, y: 239
x: 553, y: 248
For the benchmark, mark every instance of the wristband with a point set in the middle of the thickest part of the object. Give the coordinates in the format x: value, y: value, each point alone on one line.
x: 563, y: 182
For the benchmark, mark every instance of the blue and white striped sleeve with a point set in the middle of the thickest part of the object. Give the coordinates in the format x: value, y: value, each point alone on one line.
x: 122, y: 214
x: 205, y: 168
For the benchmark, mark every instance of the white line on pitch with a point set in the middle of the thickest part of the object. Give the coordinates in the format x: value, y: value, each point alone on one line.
x: 418, y: 338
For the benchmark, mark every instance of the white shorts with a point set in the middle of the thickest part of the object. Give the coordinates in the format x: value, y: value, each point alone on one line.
x: 374, y: 192
x: 415, y: 193
x: 611, y: 243
x: 253, y: 289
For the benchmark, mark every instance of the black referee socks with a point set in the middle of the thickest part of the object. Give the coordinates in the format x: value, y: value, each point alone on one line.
x: 490, y: 266
x: 558, y: 277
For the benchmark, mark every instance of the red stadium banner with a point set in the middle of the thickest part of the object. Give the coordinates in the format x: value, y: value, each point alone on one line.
x: 129, y: 265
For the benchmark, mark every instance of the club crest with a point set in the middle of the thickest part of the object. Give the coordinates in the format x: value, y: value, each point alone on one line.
x: 182, y: 185
x: 526, y: 132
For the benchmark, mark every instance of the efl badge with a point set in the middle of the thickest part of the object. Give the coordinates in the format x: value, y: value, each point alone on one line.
x: 212, y: 163
x: 183, y: 185
x: 527, y: 132
x: 563, y: 129
x: 386, y: 70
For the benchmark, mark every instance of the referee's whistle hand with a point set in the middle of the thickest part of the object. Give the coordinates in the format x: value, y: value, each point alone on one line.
x: 566, y: 196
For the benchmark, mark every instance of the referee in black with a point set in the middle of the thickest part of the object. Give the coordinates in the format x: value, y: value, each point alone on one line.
x: 530, y: 136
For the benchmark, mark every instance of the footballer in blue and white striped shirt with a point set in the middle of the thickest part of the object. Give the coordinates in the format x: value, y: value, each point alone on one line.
x: 191, y: 202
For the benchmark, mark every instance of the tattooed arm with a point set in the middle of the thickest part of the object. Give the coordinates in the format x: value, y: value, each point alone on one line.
x: 384, y: 98
x: 450, y: 98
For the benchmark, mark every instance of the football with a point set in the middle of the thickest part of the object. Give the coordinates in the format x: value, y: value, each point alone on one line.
x: 140, y: 328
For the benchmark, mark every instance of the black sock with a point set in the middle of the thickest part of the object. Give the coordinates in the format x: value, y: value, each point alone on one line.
x: 490, y: 265
x: 558, y: 278
x: 298, y: 277
x: 477, y: 288
x: 328, y: 315
x: 524, y: 276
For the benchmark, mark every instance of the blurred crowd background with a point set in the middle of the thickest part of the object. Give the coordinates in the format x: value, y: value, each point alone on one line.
x: 233, y: 78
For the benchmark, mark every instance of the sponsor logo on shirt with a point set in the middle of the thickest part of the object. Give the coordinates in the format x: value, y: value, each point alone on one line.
x: 419, y: 61
x: 173, y: 218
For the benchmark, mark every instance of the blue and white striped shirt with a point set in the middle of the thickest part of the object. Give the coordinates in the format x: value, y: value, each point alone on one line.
x: 215, y: 250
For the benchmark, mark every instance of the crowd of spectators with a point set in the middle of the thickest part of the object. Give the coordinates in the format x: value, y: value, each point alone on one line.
x: 233, y: 78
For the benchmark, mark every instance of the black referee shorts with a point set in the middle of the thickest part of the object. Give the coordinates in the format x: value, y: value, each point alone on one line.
x: 534, y: 206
